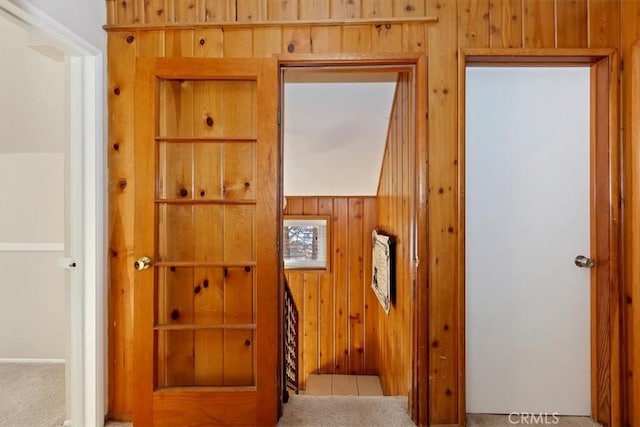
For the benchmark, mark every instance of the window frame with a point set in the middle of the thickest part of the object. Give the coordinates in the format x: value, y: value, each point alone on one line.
x: 328, y: 243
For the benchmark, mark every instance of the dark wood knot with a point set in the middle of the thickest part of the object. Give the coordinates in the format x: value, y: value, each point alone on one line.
x: 175, y: 314
x: 209, y: 121
x: 202, y: 42
x: 184, y: 192
x: 130, y: 39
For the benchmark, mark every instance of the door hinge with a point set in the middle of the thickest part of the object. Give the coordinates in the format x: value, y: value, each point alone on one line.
x: 279, y: 116
x: 278, y: 243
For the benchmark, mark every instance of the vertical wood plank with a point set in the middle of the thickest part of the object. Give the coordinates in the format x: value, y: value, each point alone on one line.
x: 443, y: 208
x: 473, y: 23
x: 238, y: 42
x: 310, y: 206
x: 408, y: 8
x: 314, y: 9
x: 296, y: 39
x: 348, y: 9
x: 155, y: 11
x: 179, y: 43
x: 326, y: 310
x: 250, y: 10
x: 111, y: 12
x: 340, y: 284
x: 387, y: 38
x: 631, y: 152
x: 505, y: 23
x: 218, y: 10
x: 209, y: 42
x: 294, y: 205
x: 150, y: 44
x: 127, y: 12
x: 377, y: 8
x: 414, y: 38
x: 630, y: 49
x: 538, y: 23
x: 121, y: 69
x: 281, y: 10
x: 356, y: 38
x: 209, y: 305
x: 371, y: 308
x: 310, y: 327
x: 186, y: 11
x: 571, y: 23
x: 604, y: 18
x: 356, y: 283
x: 266, y: 42
x: 326, y: 39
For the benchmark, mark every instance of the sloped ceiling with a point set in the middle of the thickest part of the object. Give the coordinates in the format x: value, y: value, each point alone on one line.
x: 32, y: 93
x: 335, y: 130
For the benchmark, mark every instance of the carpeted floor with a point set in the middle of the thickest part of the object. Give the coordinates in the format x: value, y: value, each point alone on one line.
x: 345, y: 411
x: 489, y: 420
x: 31, y: 395
x: 339, y: 411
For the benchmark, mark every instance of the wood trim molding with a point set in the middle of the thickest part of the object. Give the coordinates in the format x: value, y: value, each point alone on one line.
x: 287, y: 23
x: 632, y: 246
x: 607, y: 378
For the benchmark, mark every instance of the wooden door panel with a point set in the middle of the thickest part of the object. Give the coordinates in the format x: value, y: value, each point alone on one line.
x: 239, y: 245
x: 239, y: 170
x: 175, y: 358
x: 176, y: 178
x: 207, y: 185
x: 175, y: 108
x: 209, y: 365
x: 238, y: 296
x: 239, y: 349
x: 208, y: 171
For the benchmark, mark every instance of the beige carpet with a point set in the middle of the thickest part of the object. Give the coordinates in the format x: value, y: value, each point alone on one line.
x: 487, y: 420
x: 339, y: 411
x: 345, y: 411
x: 31, y: 395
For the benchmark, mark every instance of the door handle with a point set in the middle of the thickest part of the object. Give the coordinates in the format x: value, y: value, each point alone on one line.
x: 142, y: 263
x: 583, y: 261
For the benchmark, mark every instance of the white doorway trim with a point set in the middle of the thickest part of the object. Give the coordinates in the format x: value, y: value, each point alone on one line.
x: 86, y: 210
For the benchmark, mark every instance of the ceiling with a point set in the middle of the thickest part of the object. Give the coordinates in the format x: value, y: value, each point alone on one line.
x: 32, y: 93
x: 335, y: 130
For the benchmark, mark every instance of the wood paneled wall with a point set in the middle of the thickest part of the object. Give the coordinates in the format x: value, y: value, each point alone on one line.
x: 461, y: 23
x: 396, y: 217
x: 337, y: 309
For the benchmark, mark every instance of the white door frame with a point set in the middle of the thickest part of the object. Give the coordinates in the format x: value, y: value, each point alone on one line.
x: 85, y: 245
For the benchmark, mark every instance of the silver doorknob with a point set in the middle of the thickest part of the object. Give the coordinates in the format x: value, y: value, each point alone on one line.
x: 583, y: 261
x: 142, y: 263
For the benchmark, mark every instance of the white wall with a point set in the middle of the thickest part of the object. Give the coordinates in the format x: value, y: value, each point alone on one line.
x: 32, y: 288
x: 335, y: 132
x: 32, y: 198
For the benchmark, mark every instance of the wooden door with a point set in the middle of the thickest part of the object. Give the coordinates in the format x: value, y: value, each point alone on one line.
x: 206, y: 309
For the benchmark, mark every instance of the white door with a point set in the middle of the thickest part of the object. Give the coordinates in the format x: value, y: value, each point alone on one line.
x: 527, y: 218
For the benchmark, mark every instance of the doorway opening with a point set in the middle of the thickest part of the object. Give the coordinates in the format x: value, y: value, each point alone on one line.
x: 83, y: 200
x: 588, y: 313
x: 351, y: 148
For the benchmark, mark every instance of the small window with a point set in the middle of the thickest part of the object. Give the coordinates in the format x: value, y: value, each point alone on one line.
x: 305, y: 242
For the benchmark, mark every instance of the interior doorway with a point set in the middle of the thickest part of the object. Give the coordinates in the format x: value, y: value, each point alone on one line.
x: 350, y: 166
x: 84, y: 205
x: 527, y: 220
x: 602, y: 261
